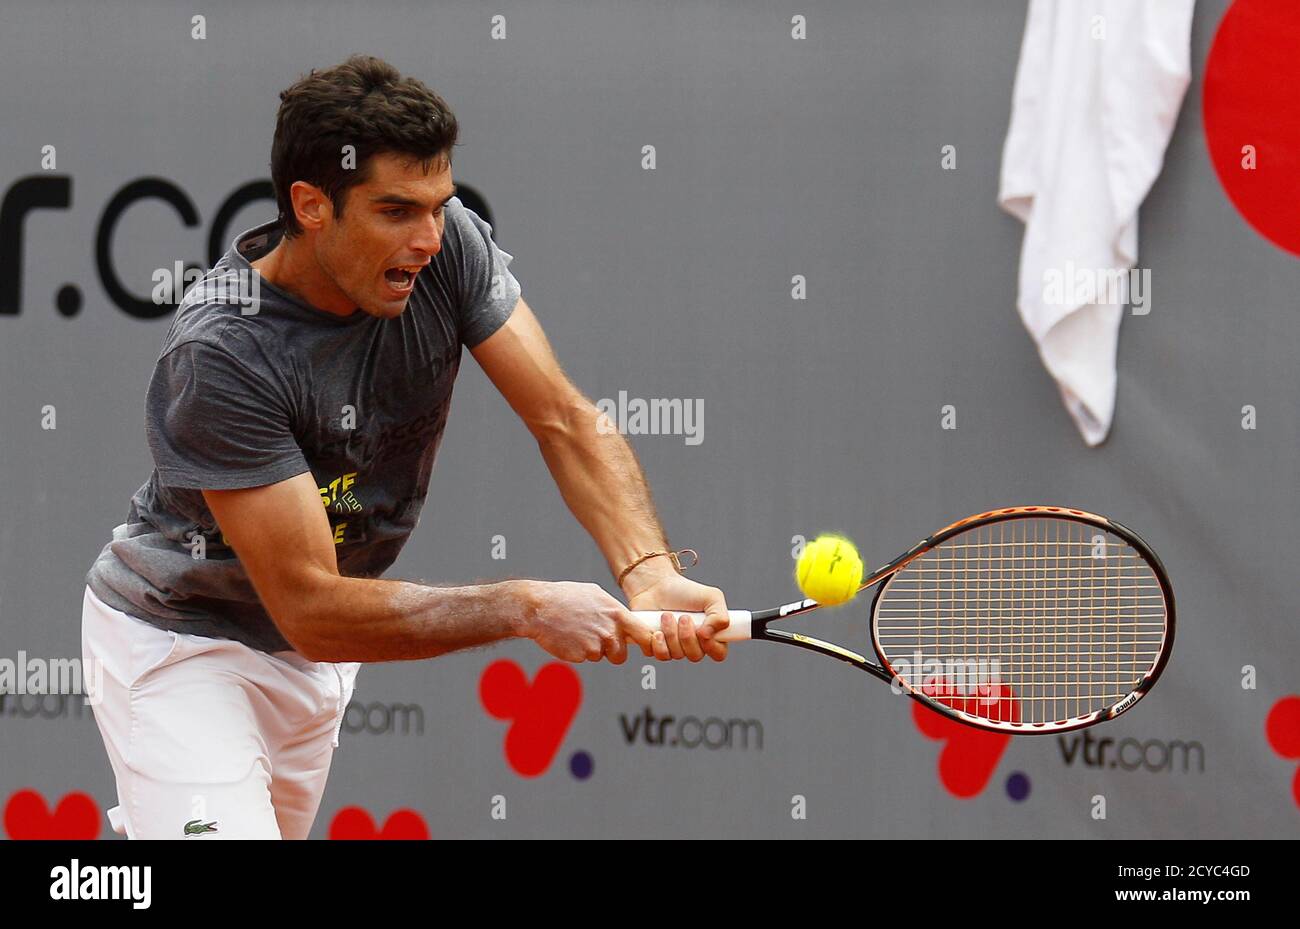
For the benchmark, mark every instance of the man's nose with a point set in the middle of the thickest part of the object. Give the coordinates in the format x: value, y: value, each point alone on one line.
x: 429, y: 237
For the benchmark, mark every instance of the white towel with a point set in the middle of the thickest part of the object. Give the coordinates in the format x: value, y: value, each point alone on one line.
x: 1097, y: 93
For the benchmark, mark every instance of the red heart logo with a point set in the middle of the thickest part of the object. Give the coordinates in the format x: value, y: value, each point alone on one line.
x: 539, y: 713
x: 1282, y: 728
x: 352, y: 822
x: 27, y: 816
x: 969, y: 755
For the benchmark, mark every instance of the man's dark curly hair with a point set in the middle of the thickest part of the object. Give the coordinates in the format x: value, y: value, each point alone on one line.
x: 366, y: 103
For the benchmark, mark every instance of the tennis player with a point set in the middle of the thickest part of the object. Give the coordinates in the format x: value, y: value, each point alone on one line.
x: 294, y: 415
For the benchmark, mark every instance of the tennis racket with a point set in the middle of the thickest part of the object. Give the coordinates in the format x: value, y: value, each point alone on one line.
x: 1030, y: 619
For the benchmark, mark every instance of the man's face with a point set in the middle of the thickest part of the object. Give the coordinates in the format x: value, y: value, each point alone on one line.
x: 390, y: 229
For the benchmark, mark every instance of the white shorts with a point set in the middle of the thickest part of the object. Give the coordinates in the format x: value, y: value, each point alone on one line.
x: 208, y: 737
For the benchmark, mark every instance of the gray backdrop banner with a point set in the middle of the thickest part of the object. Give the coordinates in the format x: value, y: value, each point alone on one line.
x: 129, y: 145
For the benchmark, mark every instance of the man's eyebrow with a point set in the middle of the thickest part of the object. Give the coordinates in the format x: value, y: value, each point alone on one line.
x: 398, y: 200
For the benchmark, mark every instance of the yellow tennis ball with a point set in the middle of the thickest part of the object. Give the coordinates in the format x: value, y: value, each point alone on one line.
x: 829, y: 570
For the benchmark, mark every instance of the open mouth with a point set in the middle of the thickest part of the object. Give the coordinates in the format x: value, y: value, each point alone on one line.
x: 402, y: 278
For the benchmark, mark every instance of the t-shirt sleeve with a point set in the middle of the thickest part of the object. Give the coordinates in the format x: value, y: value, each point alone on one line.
x: 213, y: 424
x: 488, y: 291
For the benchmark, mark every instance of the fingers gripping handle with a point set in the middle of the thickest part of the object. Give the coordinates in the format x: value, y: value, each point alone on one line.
x: 736, y: 632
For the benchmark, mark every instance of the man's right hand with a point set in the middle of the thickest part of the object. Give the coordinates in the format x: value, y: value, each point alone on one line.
x: 581, y: 622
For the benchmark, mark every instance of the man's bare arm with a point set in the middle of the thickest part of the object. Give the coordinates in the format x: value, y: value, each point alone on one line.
x: 602, y: 482
x: 282, y: 537
x: 596, y: 471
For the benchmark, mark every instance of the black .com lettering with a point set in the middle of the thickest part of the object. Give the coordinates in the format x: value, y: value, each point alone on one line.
x: 691, y: 731
x: 1132, y: 754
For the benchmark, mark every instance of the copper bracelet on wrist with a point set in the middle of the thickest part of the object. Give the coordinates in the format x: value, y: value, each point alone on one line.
x: 673, y: 555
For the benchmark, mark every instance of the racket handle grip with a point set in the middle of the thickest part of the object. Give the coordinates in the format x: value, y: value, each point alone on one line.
x: 738, y: 631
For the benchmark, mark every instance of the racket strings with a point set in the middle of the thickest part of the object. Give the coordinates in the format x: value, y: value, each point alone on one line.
x: 1033, y: 621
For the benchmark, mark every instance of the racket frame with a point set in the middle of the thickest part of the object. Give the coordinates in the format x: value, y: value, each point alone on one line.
x: 760, y: 621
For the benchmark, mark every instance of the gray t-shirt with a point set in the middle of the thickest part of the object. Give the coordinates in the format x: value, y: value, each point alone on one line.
x: 240, y: 399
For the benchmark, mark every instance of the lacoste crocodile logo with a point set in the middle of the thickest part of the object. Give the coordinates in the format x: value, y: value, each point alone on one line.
x: 199, y: 827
